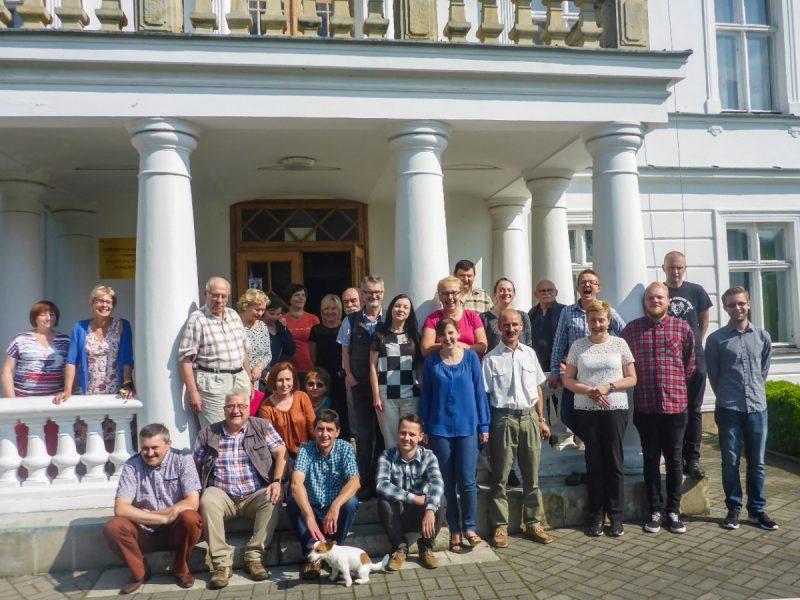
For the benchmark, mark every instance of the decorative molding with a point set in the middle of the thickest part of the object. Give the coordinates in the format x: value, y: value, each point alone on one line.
x: 715, y: 130
x: 794, y: 131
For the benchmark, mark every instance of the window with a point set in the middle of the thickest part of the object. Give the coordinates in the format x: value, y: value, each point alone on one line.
x: 744, y: 54
x: 759, y: 261
x: 580, y: 249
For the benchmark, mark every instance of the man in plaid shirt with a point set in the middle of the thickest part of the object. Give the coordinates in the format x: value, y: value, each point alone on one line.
x: 663, y: 347
x: 410, y: 487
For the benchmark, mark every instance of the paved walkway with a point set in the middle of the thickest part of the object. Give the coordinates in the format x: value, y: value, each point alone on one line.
x: 707, y: 562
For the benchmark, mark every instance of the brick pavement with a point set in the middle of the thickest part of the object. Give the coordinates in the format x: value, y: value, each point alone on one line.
x: 707, y: 562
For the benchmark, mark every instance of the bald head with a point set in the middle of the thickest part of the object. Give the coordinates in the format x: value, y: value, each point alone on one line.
x: 351, y: 300
x: 510, y: 325
x: 218, y: 290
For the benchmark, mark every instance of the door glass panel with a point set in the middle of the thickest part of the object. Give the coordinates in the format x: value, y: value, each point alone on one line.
x: 729, y: 72
x: 774, y: 291
x: 771, y: 243
x: 280, y: 276
x: 258, y: 275
x: 737, y: 244
x: 758, y: 62
x: 755, y: 11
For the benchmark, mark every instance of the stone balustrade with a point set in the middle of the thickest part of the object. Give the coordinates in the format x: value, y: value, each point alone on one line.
x: 80, y: 474
x: 598, y: 23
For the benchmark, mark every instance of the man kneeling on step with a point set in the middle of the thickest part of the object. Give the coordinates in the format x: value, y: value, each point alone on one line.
x: 242, y: 461
x: 410, y: 487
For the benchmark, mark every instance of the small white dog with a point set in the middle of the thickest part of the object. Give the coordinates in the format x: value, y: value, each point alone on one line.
x: 346, y: 560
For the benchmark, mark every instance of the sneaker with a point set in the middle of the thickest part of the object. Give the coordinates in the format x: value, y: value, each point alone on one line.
x: 654, y: 524
x: 256, y: 570
x: 617, y: 530
x: 674, y: 523
x: 500, y: 537
x: 731, y: 521
x: 220, y: 578
x: 428, y: 559
x: 595, y: 528
x: 764, y: 521
x: 397, y: 559
x: 538, y: 534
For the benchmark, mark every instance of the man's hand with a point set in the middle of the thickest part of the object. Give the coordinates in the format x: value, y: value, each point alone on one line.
x: 313, y: 528
x: 275, y: 492
x: 174, y: 511
x: 350, y: 380
x: 420, y: 500
x: 552, y: 382
x: 331, y: 522
x: 195, y: 401
x: 484, y: 437
x: 544, y: 429
x: 378, y: 404
x: 428, y: 525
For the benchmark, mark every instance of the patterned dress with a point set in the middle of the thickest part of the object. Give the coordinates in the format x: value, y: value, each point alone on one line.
x: 102, y: 360
x: 258, y: 346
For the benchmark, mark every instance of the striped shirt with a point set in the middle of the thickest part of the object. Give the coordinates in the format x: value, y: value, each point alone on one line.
x: 398, y: 479
x: 572, y: 326
x: 214, y: 342
x: 39, y: 370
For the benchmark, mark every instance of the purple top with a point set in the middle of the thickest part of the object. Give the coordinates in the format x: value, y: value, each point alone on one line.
x: 157, y: 488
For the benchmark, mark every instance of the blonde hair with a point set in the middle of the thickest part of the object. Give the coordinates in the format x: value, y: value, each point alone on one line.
x: 329, y: 299
x: 103, y: 290
x: 599, y: 306
x: 657, y: 284
x: 449, y: 279
x: 250, y: 298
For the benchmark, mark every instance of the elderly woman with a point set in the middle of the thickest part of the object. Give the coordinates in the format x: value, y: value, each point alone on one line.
x: 472, y: 334
x: 455, y: 411
x: 100, y: 359
x: 326, y: 352
x: 288, y: 409
x: 504, y: 293
x: 251, y: 307
x: 300, y: 323
x: 599, y: 369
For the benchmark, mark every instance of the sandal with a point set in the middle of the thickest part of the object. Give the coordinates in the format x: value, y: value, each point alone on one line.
x: 473, y: 539
x: 456, y: 547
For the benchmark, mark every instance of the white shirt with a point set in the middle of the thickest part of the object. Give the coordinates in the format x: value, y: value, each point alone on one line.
x: 512, y: 377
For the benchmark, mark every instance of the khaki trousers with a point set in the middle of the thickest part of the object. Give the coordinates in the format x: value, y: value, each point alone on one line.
x: 216, y: 507
x: 213, y: 388
x: 515, y: 434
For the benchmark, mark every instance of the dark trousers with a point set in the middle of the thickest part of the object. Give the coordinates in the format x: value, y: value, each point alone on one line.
x: 602, y: 432
x: 364, y: 427
x: 347, y: 518
x: 566, y: 411
x: 399, y: 518
x: 129, y: 541
x: 662, y: 434
x: 694, y: 425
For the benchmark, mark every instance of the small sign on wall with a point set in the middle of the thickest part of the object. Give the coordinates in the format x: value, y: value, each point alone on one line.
x: 117, y: 258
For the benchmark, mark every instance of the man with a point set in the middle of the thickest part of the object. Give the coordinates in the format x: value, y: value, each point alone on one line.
x: 213, y: 354
x: 355, y: 336
x: 155, y: 508
x: 544, y: 320
x: 322, y: 502
x: 242, y: 461
x: 738, y: 356
x: 690, y: 302
x: 572, y: 326
x: 663, y: 348
x: 351, y: 301
x: 472, y: 298
x: 513, y: 380
x: 410, y: 488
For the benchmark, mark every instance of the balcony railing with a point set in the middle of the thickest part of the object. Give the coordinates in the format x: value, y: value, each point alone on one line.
x: 82, y: 473
x: 582, y: 23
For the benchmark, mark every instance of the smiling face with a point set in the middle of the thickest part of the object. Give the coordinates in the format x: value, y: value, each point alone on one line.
x: 467, y: 277
x: 510, y: 327
x: 153, y: 450
x: 656, y: 302
x: 373, y: 294
x: 351, y: 301
x: 449, y: 293
x: 217, y: 296
x: 284, y: 382
x: 271, y: 315
x: 103, y: 306
x: 315, y: 387
x: 449, y: 337
x: 324, y: 435
x: 588, y: 287
x: 298, y: 300
x: 237, y: 411
x: 408, y: 437
x: 598, y: 323
x: 330, y: 313
x: 45, y: 321
x: 401, y: 309
x: 737, y: 306
x: 504, y: 293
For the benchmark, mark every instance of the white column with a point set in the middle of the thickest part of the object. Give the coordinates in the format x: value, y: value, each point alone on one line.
x: 549, y: 232
x: 511, y: 253
x: 21, y: 253
x: 619, y: 255
x: 76, y: 262
x: 420, y: 250
x: 166, y: 269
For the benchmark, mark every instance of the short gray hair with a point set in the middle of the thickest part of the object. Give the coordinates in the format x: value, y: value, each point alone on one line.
x: 238, y: 393
x: 152, y: 430
x: 211, y: 281
x: 376, y: 279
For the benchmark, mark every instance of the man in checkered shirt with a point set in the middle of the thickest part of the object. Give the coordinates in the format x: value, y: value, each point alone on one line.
x: 663, y: 349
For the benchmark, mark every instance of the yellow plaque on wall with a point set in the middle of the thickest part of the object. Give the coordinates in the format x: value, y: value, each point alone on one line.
x: 117, y: 258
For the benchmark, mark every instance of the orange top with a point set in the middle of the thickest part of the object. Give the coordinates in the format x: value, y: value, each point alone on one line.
x: 296, y: 425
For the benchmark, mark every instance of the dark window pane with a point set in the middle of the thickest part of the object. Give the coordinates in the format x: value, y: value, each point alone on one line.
x: 340, y: 227
x: 771, y: 243
x: 589, y: 245
x: 738, y: 248
x: 281, y: 276
x: 573, y: 246
x: 775, y: 295
x: 257, y: 275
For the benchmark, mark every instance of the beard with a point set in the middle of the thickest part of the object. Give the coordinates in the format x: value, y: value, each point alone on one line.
x: 656, y: 313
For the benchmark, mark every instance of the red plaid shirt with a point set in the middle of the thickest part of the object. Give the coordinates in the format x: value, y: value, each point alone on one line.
x: 664, y: 353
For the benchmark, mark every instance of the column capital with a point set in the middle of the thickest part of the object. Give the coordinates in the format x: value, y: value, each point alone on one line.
x: 21, y: 192
x: 423, y: 133
x: 547, y: 186
x: 508, y: 212
x: 75, y: 221
x: 160, y: 131
x: 623, y: 136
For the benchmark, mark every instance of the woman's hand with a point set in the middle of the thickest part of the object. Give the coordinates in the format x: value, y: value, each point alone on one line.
x: 127, y: 393
x: 378, y: 404
x: 600, y: 398
x: 62, y: 397
x: 255, y: 373
x: 484, y: 437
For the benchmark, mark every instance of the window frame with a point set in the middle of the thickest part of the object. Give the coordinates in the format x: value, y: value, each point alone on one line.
x: 579, y: 222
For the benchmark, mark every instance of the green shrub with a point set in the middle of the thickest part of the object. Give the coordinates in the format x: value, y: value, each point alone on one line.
x: 783, y: 403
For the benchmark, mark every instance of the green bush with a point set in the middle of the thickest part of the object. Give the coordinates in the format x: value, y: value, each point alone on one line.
x: 783, y: 403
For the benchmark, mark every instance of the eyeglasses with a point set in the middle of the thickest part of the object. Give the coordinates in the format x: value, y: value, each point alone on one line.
x: 242, y: 407
x: 737, y: 304
x: 448, y: 294
x: 546, y: 290
x: 372, y: 294
x: 314, y: 384
x: 591, y: 283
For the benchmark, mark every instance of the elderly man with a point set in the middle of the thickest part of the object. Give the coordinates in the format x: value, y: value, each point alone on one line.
x: 663, y: 349
x: 242, y: 461
x: 322, y: 502
x: 213, y: 354
x: 351, y: 301
x: 472, y: 298
x: 513, y: 380
x: 155, y: 508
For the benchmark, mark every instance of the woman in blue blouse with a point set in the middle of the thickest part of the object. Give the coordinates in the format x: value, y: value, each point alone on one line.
x: 455, y: 411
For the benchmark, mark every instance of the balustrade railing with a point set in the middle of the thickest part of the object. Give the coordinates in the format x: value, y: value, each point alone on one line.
x: 80, y: 474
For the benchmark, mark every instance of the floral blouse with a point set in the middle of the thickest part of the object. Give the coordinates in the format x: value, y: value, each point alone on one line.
x: 102, y: 360
x: 258, y: 346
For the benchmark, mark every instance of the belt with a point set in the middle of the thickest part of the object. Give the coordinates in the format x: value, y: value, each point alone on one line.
x: 516, y: 412
x: 228, y: 371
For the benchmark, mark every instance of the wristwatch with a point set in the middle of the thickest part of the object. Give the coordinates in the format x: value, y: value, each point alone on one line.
x: 612, y: 387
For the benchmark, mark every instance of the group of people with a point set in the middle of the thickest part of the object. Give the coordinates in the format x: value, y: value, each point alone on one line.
x: 324, y: 413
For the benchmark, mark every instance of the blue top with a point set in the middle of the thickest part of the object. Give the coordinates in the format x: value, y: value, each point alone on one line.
x: 453, y: 401
x: 77, y: 353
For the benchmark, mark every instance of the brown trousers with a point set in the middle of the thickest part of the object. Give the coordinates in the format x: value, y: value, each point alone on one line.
x: 129, y: 541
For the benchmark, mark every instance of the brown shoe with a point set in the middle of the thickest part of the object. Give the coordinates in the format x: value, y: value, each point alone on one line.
x: 256, y: 570
x: 428, y: 559
x: 310, y: 570
x: 220, y: 578
x: 397, y: 560
x: 500, y: 537
x: 185, y: 581
x: 134, y: 584
x: 538, y: 534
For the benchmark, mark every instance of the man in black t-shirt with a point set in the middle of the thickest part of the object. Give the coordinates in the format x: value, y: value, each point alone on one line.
x: 690, y: 302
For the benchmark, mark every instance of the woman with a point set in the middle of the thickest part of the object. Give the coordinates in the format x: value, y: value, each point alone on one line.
x: 326, y: 352
x: 455, y: 411
x: 472, y: 334
x: 318, y: 385
x: 599, y: 369
x: 281, y: 342
x: 251, y: 307
x: 100, y: 359
x: 300, y: 323
x: 287, y: 408
x: 504, y: 293
x: 394, y: 358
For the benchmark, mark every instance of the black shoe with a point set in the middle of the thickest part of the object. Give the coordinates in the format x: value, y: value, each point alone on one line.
x: 674, y: 524
x: 654, y: 524
x: 595, y: 528
x: 513, y: 480
x: 574, y: 478
x: 731, y: 521
x: 617, y: 530
x: 693, y: 470
x: 764, y: 521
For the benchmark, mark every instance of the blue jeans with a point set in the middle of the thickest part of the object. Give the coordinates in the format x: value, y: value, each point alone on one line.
x: 458, y: 461
x: 735, y: 428
x: 347, y: 518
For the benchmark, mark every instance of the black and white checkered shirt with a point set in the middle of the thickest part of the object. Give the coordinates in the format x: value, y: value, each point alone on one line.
x: 397, y: 377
